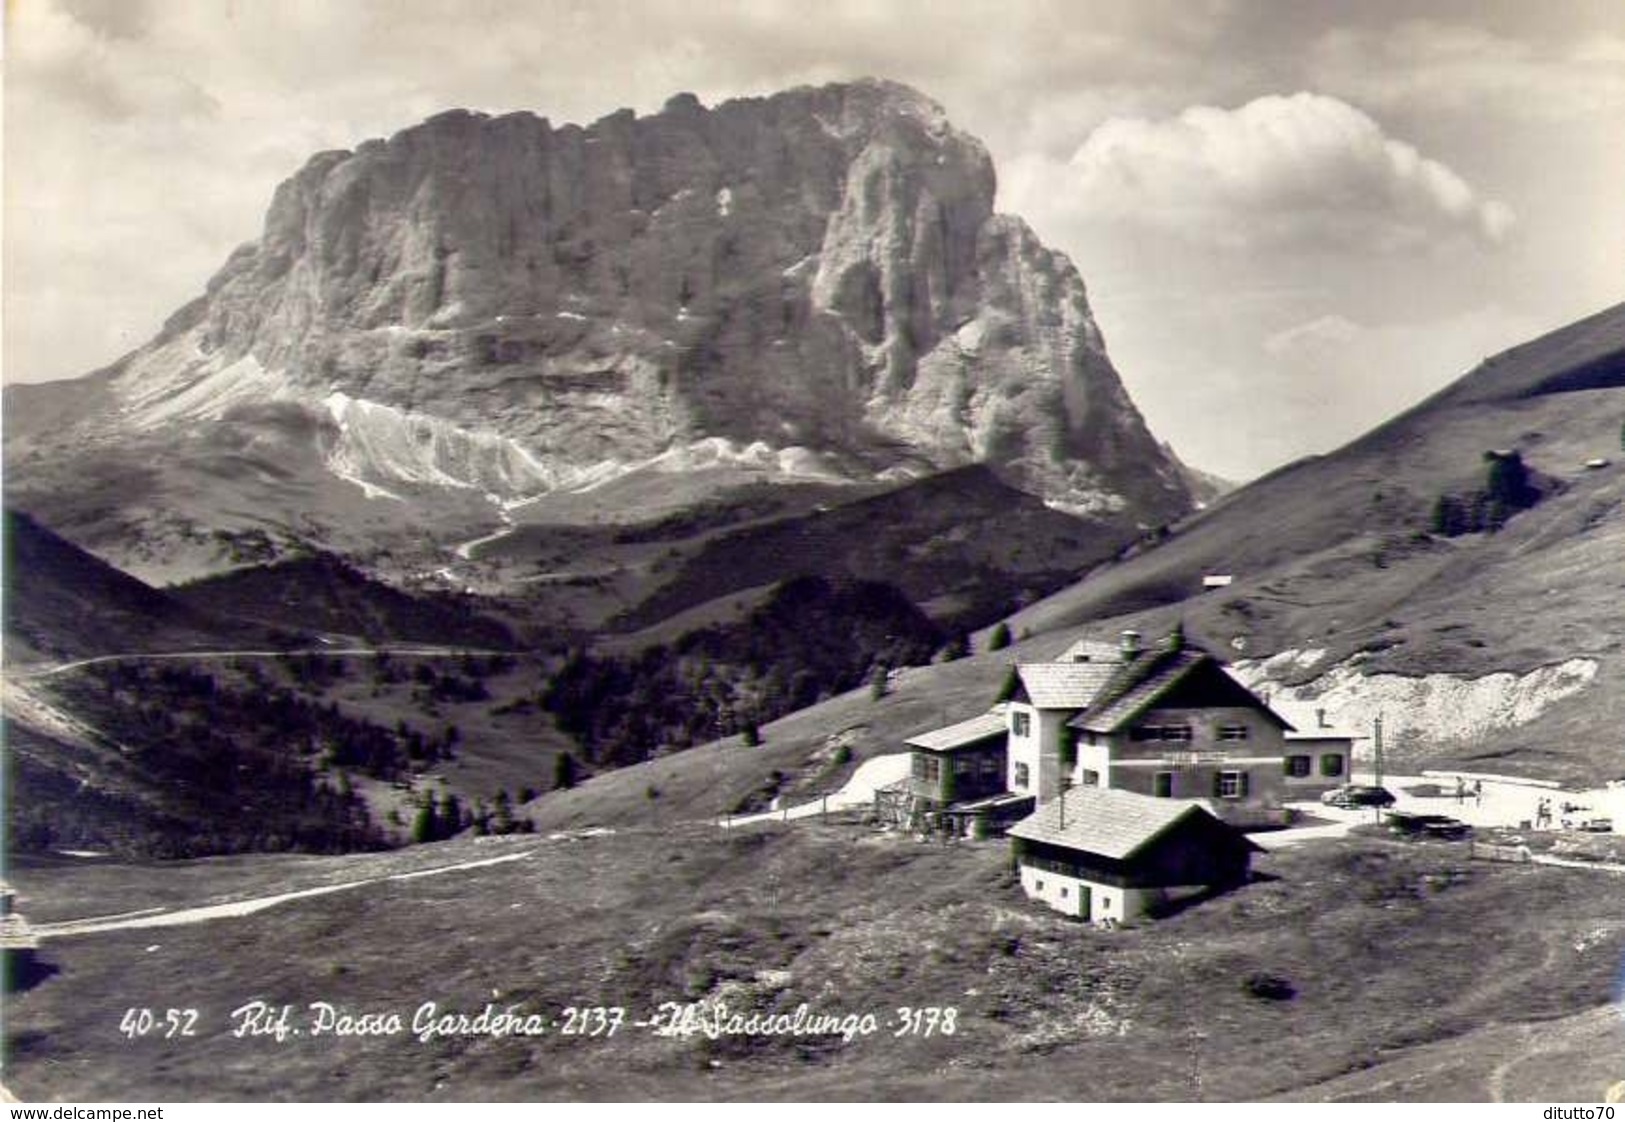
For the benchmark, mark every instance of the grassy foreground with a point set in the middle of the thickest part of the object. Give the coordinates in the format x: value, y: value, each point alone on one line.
x: 1360, y: 968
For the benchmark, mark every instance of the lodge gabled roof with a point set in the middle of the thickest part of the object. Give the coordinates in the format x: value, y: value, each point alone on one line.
x: 1109, y: 691
x: 1062, y: 685
x: 1150, y: 679
x: 1108, y: 822
x: 1137, y: 686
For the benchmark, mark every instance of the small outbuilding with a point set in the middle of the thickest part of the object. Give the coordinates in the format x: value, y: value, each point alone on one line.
x: 18, y: 942
x: 1099, y: 854
x: 956, y: 781
x: 1319, y: 751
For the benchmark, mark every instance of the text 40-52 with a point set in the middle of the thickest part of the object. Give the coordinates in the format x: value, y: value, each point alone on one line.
x: 167, y: 1023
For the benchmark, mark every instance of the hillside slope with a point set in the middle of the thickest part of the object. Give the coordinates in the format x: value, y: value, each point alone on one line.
x: 326, y: 594
x: 1343, y: 559
x: 1398, y: 960
x: 62, y: 602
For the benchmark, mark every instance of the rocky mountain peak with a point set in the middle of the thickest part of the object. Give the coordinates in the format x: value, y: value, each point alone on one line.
x: 499, y: 303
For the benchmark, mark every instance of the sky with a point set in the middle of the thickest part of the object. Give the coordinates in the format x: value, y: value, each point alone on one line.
x: 1294, y: 219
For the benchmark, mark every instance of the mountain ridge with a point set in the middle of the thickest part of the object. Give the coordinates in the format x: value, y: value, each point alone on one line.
x: 813, y: 284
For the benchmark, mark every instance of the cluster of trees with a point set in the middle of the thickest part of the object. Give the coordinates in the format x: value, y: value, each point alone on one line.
x: 215, y: 770
x: 440, y: 818
x: 813, y: 638
x: 314, y: 672
x: 189, y: 708
x: 1508, y: 490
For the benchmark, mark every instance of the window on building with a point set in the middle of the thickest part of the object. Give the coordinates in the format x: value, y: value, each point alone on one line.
x: 1091, y: 778
x: 1021, y: 775
x: 927, y: 768
x: 992, y: 765
x: 1063, y: 892
x: 1162, y: 785
x: 1231, y: 785
x: 1069, y: 749
x: 1232, y: 732
x: 1021, y: 724
x: 964, y: 765
x: 1296, y: 766
x: 1177, y: 733
x: 1331, y: 765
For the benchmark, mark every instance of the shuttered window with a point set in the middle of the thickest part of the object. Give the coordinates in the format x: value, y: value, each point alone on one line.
x: 1230, y: 784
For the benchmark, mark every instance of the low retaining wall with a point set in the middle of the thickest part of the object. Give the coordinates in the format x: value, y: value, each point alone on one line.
x: 1518, y: 854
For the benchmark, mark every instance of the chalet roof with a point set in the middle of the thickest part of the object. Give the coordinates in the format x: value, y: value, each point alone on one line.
x: 963, y: 734
x: 1064, y: 685
x: 1101, y: 820
x: 1139, y: 684
x: 1136, y: 686
x: 1092, y: 650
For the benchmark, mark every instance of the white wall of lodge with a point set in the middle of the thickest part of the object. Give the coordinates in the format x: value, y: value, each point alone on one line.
x: 1034, y: 755
x: 1313, y: 765
x: 1092, y: 900
x: 1182, y: 753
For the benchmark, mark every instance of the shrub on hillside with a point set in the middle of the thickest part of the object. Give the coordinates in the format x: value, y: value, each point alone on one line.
x: 1000, y: 638
x: 1509, y: 489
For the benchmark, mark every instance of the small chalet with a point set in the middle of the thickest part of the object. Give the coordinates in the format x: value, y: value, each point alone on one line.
x: 1319, y: 752
x: 18, y: 942
x: 1100, y: 854
x: 957, y: 779
x: 1167, y: 721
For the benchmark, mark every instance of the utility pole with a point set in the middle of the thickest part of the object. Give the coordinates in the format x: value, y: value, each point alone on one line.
x: 1377, y: 747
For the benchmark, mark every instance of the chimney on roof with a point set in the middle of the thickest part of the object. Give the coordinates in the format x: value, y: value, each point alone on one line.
x: 1174, y: 641
x: 1129, y: 645
x: 1320, y: 719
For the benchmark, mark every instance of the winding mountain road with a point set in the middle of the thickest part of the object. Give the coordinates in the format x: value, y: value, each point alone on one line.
x: 410, y: 650
x: 184, y: 916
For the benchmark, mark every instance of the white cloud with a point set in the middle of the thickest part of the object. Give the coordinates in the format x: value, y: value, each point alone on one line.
x: 1299, y: 169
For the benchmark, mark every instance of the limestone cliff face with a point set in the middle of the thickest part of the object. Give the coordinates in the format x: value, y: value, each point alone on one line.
x: 502, y: 304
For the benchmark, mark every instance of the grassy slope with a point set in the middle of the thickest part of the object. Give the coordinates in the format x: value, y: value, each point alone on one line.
x: 958, y: 543
x: 961, y: 543
x: 168, y: 509
x: 1405, y: 959
x: 325, y: 593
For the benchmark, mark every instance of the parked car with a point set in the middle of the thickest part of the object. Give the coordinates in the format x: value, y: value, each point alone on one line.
x: 1356, y: 794
x: 1411, y: 824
